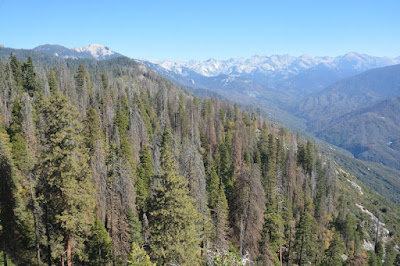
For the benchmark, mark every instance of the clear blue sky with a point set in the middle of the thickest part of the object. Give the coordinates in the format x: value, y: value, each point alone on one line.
x: 182, y: 30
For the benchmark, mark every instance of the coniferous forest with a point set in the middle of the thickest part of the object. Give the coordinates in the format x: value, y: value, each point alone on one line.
x: 107, y: 163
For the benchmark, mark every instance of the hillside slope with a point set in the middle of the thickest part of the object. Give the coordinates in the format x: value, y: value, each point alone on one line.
x: 348, y: 95
x: 371, y: 133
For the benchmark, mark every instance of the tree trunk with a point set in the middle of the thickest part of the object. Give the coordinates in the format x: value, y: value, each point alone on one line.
x: 5, y: 258
x: 67, y: 247
x: 47, y: 236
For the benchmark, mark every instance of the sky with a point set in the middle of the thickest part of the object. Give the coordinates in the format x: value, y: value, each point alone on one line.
x: 199, y: 30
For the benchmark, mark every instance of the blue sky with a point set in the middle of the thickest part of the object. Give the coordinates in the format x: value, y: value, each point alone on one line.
x: 183, y: 30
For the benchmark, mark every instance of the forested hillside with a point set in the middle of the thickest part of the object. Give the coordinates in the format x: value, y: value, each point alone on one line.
x: 107, y: 163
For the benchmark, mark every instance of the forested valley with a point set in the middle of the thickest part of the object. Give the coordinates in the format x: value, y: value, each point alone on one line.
x: 107, y: 163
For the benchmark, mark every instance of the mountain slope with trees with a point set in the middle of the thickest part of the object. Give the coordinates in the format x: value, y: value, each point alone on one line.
x: 370, y: 133
x: 107, y: 163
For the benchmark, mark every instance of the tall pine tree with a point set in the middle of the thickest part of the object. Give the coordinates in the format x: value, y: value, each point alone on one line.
x: 65, y: 183
x: 173, y: 215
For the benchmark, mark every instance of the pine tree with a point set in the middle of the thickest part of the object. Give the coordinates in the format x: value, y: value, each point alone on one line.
x: 98, y: 245
x: 81, y: 77
x: 390, y: 254
x: 53, y: 83
x: 349, y: 231
x: 305, y: 242
x: 173, y: 215
x: 29, y: 77
x: 332, y: 254
x: 221, y: 221
x: 16, y: 238
x: 145, y: 176
x: 139, y: 257
x: 16, y: 69
x: 65, y: 183
x: 135, y: 227
x: 213, y: 185
x: 273, y: 231
x: 104, y: 81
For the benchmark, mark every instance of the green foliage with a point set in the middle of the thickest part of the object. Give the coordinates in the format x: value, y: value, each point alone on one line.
x: 391, y: 253
x: 98, y: 245
x: 53, y: 83
x: 135, y: 227
x: 139, y: 257
x: 29, y: 77
x: 224, y: 259
x: 82, y: 77
x: 372, y: 259
x: 145, y: 176
x: 16, y: 237
x: 305, y: 157
x: 173, y: 215
x: 66, y: 189
x: 104, y: 81
x: 16, y: 69
x: 221, y: 221
x: 19, y: 151
x: 379, y: 251
x: 273, y: 228
x: 349, y: 230
x: 213, y: 185
x: 334, y: 252
x: 305, y: 242
x: 92, y: 132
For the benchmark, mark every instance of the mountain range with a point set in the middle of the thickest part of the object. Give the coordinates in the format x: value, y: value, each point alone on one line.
x: 329, y: 97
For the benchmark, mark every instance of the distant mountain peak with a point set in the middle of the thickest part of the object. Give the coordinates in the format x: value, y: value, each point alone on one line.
x: 96, y: 50
x: 92, y: 51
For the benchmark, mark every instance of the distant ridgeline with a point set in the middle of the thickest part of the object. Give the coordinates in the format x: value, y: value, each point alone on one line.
x: 107, y: 163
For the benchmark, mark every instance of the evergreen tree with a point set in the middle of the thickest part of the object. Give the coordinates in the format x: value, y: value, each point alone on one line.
x: 53, y: 83
x: 305, y: 242
x: 390, y: 254
x: 29, y: 77
x: 16, y: 69
x: 81, y: 77
x: 379, y: 251
x: 16, y: 238
x: 273, y: 231
x: 104, y: 81
x: 145, y: 176
x: 173, y: 215
x: 65, y: 183
x: 135, y: 227
x: 139, y: 257
x: 213, y: 189
x: 333, y: 253
x: 99, y: 245
x: 221, y: 221
x: 358, y: 238
x: 349, y: 231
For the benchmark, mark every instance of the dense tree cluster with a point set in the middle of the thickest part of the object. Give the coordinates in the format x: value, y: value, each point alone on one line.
x: 106, y: 163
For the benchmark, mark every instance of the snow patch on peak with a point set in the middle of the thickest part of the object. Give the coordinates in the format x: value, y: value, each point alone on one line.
x: 96, y: 50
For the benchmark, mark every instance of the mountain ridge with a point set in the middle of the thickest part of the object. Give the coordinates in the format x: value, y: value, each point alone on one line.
x: 92, y: 51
